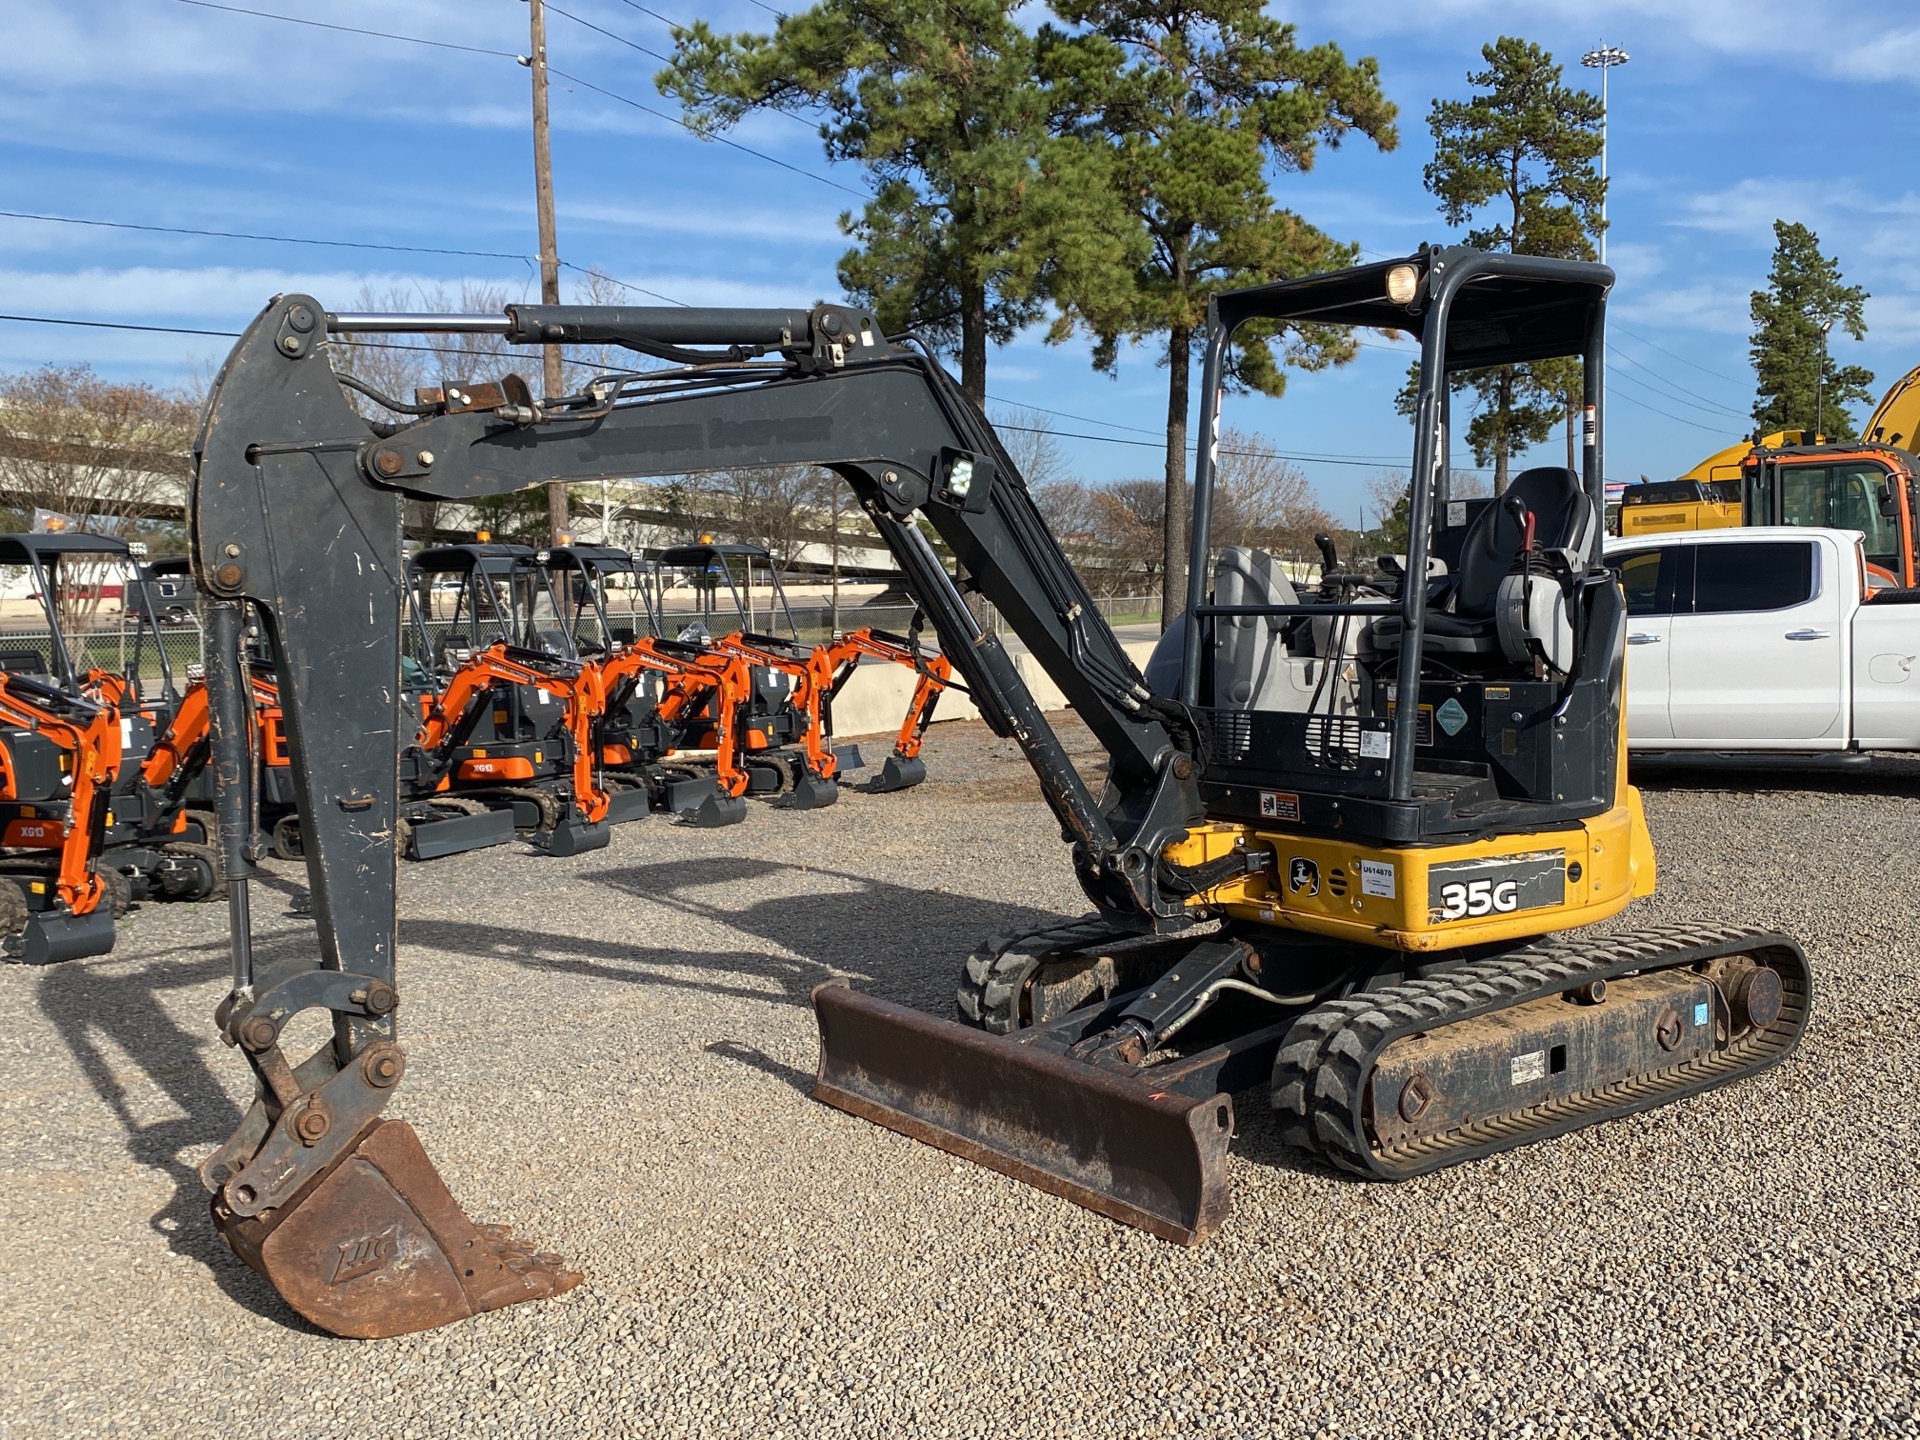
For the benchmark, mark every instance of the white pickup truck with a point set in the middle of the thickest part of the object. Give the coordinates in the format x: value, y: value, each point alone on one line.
x: 1764, y: 640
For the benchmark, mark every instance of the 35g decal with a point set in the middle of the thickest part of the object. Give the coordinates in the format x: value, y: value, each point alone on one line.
x: 1479, y: 897
x: 1476, y: 889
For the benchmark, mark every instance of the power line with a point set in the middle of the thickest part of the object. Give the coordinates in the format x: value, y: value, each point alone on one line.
x: 690, y: 128
x: 1349, y: 458
x: 274, y: 239
x: 1657, y: 394
x: 1706, y: 400
x: 569, y: 15
x: 1635, y: 400
x: 637, y: 289
x: 676, y: 25
x: 1718, y: 374
x: 348, y: 29
x: 1150, y: 445
x: 510, y: 55
x: 335, y: 244
x: 117, y: 325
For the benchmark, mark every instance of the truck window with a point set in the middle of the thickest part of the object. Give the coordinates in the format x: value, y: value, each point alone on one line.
x: 1752, y: 575
x: 1647, y: 578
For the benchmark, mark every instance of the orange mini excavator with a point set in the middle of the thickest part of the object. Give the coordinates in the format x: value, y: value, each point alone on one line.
x: 59, y: 757
x: 903, y: 769
x: 785, y: 735
x: 678, y: 713
x: 574, y: 809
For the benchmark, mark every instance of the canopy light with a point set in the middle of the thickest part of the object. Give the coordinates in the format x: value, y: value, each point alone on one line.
x: 1403, y: 283
x: 960, y: 478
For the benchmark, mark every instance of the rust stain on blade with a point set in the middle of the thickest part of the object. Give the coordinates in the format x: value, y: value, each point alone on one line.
x: 1100, y: 1138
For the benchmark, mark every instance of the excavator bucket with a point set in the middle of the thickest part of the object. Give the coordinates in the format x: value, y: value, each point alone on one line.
x: 52, y: 936
x: 377, y: 1246
x: 810, y: 792
x: 573, y: 836
x: 898, y: 772
x: 1151, y: 1158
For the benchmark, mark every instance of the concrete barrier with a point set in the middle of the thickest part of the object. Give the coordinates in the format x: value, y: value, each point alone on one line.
x: 875, y: 700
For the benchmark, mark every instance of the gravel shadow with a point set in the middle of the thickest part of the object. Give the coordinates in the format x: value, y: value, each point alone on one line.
x: 619, y: 960
x: 909, y: 942
x: 93, y: 1007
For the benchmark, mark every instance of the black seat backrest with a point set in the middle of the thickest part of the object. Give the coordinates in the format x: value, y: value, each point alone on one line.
x: 23, y: 662
x: 1563, y: 519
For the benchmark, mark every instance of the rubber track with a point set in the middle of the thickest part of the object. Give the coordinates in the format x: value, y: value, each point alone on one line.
x: 1321, y: 1073
x: 551, y: 807
x: 995, y: 975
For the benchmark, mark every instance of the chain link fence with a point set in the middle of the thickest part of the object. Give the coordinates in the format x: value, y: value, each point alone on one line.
x: 129, y: 650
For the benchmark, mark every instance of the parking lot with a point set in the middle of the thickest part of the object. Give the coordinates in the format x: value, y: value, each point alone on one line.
x: 613, y: 1054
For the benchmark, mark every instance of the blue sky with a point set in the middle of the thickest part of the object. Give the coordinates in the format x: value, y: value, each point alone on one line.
x: 1730, y: 114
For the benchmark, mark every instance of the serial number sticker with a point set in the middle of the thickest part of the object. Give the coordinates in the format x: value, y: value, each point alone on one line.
x: 1527, y: 1068
x: 1700, y: 1013
x: 1377, y: 878
x: 1499, y: 885
x: 1376, y: 745
x: 1279, y: 805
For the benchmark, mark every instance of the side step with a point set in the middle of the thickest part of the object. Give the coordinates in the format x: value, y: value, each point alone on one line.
x: 1153, y: 1158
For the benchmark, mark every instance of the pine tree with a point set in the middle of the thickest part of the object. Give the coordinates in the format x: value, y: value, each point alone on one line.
x: 1527, y: 146
x: 1800, y: 386
x: 1198, y: 101
x: 981, y: 212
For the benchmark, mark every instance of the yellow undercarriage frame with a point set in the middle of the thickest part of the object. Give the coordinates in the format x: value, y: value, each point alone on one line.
x: 1434, y: 897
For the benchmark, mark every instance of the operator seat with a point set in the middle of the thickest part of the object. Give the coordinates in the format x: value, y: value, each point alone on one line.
x: 1255, y: 667
x: 1487, y: 610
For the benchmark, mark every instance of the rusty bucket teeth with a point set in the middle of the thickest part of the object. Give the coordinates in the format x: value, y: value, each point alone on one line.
x: 1102, y: 1137
x: 377, y: 1246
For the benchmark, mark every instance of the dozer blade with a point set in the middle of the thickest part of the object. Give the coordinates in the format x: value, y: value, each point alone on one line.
x: 377, y: 1246
x: 1099, y: 1137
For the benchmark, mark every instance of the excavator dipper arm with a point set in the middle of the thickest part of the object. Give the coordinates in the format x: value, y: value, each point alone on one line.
x: 296, y: 516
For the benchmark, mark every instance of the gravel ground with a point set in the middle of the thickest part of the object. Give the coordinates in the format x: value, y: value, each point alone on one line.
x: 613, y: 1054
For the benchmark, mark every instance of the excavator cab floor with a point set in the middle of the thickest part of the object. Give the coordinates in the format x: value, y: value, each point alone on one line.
x: 377, y: 1246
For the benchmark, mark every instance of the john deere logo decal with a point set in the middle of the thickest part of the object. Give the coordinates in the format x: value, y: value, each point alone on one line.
x: 1303, y: 876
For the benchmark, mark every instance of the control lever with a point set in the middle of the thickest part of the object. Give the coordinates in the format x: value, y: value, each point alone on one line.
x: 1523, y: 517
x: 1329, y: 557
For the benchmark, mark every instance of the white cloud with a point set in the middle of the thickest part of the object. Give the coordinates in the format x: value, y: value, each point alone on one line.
x: 1860, y: 39
x: 1718, y: 308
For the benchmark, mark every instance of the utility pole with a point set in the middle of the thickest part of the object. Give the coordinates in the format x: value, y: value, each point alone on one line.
x: 554, y: 378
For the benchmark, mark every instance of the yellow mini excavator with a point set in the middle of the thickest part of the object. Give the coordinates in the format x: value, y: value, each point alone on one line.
x: 1342, y: 846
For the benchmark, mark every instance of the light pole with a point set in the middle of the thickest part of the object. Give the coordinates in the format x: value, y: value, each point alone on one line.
x: 1819, y: 384
x: 1604, y: 59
